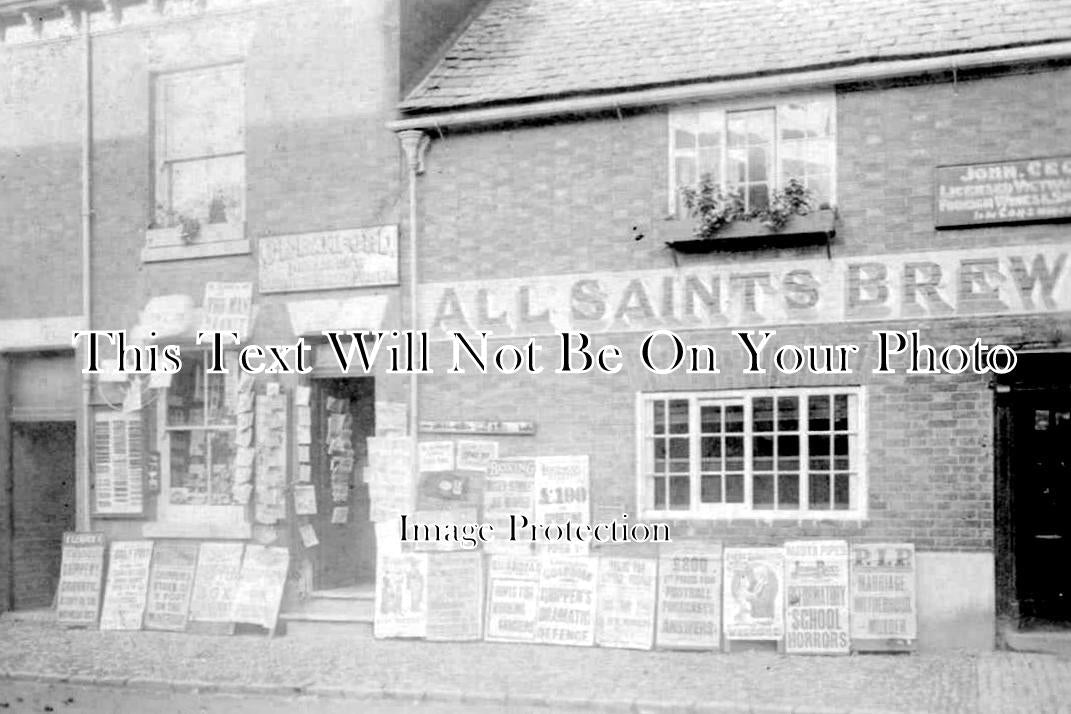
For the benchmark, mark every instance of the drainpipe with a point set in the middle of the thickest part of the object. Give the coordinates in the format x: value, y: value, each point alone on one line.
x: 85, y: 444
x: 414, y: 143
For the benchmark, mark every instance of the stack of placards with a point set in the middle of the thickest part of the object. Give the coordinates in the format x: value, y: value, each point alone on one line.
x: 562, y: 497
x: 512, y: 591
x: 626, y: 606
x: 689, y: 598
x: 566, y: 605
x: 508, y: 492
x: 816, y: 604
x: 215, y: 585
x: 81, y: 578
x: 170, y: 586
x: 455, y: 597
x: 260, y: 585
x: 754, y: 593
x: 271, y: 456
x: 401, y: 595
x: 127, y: 585
x: 884, y: 609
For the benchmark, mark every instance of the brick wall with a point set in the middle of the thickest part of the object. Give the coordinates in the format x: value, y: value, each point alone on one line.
x: 568, y: 197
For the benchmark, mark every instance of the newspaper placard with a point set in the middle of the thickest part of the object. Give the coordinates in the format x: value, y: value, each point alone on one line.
x: 260, y: 585
x: 389, y: 474
x: 754, y: 595
x: 127, y: 586
x: 884, y: 609
x: 512, y: 598
x: 81, y: 578
x: 440, y: 517
x: 626, y: 602
x: 816, y: 597
x: 436, y: 455
x: 392, y: 419
x: 401, y: 596
x: 562, y: 496
x: 508, y: 490
x: 473, y: 455
x: 170, y: 586
x: 216, y: 581
x: 689, y: 596
x: 567, y: 587
x: 228, y: 307
x: 455, y: 596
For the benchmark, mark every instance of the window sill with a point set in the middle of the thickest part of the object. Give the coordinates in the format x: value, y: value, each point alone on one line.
x: 816, y: 227
x: 757, y: 516
x: 210, y: 531
x: 213, y: 240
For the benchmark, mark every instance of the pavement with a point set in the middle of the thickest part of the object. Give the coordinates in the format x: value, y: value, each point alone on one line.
x: 488, y: 676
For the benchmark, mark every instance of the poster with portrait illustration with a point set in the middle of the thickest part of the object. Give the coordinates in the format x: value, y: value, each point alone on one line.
x: 401, y: 596
x: 754, y: 597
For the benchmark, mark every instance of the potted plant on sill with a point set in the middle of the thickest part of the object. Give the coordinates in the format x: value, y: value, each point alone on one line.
x: 720, y: 221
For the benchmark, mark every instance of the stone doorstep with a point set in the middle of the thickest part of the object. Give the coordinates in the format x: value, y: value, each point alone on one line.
x: 1053, y: 642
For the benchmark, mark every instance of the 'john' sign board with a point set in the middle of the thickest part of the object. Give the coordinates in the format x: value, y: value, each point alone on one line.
x: 1025, y: 191
x: 990, y: 281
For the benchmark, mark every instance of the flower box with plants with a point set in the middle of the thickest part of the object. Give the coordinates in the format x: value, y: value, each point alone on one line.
x: 719, y: 221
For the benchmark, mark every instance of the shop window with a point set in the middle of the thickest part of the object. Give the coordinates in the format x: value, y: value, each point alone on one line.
x: 755, y: 148
x: 199, y: 163
x: 765, y: 453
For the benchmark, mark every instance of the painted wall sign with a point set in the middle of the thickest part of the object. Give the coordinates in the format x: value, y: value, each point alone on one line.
x: 118, y: 455
x: 401, y: 596
x: 170, y: 586
x: 986, y: 281
x: 754, y: 593
x: 504, y: 428
x: 689, y: 596
x: 455, y: 596
x: 816, y: 598
x: 127, y: 586
x: 508, y: 490
x: 81, y: 578
x: 566, y: 606
x: 260, y: 585
x: 884, y: 610
x: 563, y: 495
x: 512, y: 598
x: 626, y: 602
x: 1027, y: 190
x: 355, y: 257
x: 216, y: 581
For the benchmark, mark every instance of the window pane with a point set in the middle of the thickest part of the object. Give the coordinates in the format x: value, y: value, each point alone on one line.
x: 762, y: 413
x: 659, y: 421
x: 734, y: 418
x: 221, y: 458
x: 818, y: 407
x: 210, y: 190
x: 203, y: 112
x: 679, y: 492
x: 819, y: 452
x: 185, y: 396
x: 711, y: 489
x: 762, y: 494
x: 710, y: 450
x: 818, y: 492
x: 734, y: 453
x: 787, y: 413
x: 683, y: 139
x: 758, y: 163
x: 189, y: 468
x: 659, y: 452
x: 788, y: 452
x: 840, y: 452
x: 762, y: 453
x: 223, y: 392
x: 736, y: 171
x: 842, y: 492
x: 660, y: 492
x: 710, y: 164
x: 685, y: 171
x: 788, y: 491
x: 758, y: 196
x: 710, y: 418
x: 805, y: 120
x: 734, y: 488
x: 678, y: 416
x: 840, y: 412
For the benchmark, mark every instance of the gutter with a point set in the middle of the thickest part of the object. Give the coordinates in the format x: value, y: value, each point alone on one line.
x: 734, y: 87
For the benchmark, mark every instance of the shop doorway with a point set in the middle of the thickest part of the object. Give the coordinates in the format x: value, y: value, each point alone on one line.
x: 346, y: 556
x: 42, y: 508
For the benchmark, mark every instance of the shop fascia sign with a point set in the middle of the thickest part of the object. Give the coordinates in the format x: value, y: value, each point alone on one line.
x: 906, y: 286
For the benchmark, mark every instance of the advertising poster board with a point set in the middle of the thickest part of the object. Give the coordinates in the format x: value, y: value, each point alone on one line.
x: 626, y: 602
x: 81, y: 579
x: 260, y: 585
x: 445, y: 517
x: 512, y: 598
x: 816, y: 597
x: 455, y: 597
x: 689, y: 596
x: 884, y: 609
x: 170, y: 586
x: 401, y: 596
x: 475, y: 454
x: 562, y: 496
x: 436, y: 455
x: 508, y: 489
x: 127, y: 585
x: 566, y: 606
x: 216, y: 581
x: 754, y: 594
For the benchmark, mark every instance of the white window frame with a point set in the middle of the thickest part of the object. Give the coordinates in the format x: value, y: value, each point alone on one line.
x: 726, y: 106
x: 742, y: 511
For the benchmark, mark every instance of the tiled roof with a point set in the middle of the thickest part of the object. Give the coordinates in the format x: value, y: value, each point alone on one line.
x: 528, y: 49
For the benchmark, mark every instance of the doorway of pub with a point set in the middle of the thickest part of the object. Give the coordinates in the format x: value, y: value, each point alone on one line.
x: 1032, y: 498
x: 341, y: 566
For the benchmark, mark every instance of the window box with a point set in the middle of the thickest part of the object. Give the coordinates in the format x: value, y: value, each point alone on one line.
x: 816, y: 227
x: 212, y: 239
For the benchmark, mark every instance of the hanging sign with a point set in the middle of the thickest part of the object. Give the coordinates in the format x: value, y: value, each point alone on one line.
x: 170, y: 586
x: 626, y: 602
x: 689, y: 596
x: 508, y: 490
x: 562, y: 496
x: 216, y: 581
x: 81, y: 577
x: 118, y: 487
x: 127, y: 586
x: 566, y: 606
x: 816, y: 598
x: 884, y: 609
x: 503, y: 428
x: 260, y: 585
x: 401, y: 596
x: 754, y: 594
x: 455, y: 596
x: 512, y: 598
